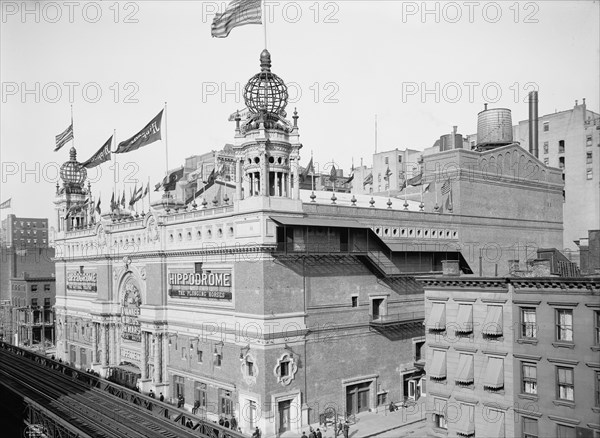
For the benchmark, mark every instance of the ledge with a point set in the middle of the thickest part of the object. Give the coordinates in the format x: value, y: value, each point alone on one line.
x: 565, y: 361
x: 564, y: 419
x: 494, y: 353
x: 464, y: 299
x: 527, y: 357
x: 559, y: 344
x: 493, y: 301
x: 527, y: 341
x: 438, y: 298
x: 528, y: 302
x: 438, y: 346
x: 467, y: 349
x: 595, y: 348
x: 566, y: 403
x: 563, y: 304
x: 528, y: 397
x: 466, y: 399
x: 527, y: 413
x: 593, y: 364
x: 596, y: 409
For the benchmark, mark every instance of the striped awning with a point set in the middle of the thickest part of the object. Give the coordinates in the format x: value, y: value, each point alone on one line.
x: 493, y: 321
x: 464, y: 373
x: 465, y: 426
x: 438, y: 365
x: 464, y: 319
x: 437, y: 317
x: 494, y: 373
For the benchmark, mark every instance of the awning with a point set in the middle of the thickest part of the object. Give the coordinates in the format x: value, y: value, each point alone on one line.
x: 437, y: 317
x: 439, y: 406
x: 496, y: 425
x: 465, y: 425
x: 438, y: 365
x: 464, y: 320
x: 493, y: 321
x: 494, y: 373
x: 317, y: 222
x: 464, y: 373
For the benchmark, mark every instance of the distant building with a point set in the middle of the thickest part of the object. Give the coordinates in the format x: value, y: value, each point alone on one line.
x: 33, y: 300
x: 24, y: 232
x: 390, y: 169
x: 513, y: 357
x: 589, y: 253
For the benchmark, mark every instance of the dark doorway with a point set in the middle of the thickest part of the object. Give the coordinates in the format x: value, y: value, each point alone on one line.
x: 357, y: 398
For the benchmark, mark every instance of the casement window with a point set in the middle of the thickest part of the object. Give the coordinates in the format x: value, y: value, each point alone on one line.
x: 564, y: 325
x: 528, y: 378
x: 528, y: 322
x: 565, y: 388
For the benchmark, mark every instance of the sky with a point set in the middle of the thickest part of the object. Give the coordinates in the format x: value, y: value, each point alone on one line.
x: 419, y: 67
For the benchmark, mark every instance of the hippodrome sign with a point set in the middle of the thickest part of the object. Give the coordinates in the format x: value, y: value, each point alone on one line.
x: 209, y: 285
x: 81, y: 281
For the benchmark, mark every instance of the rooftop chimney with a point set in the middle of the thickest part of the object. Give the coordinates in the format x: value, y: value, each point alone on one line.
x: 533, y: 124
x: 485, y: 106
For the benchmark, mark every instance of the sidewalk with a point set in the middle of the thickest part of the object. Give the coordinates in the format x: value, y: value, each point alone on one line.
x: 372, y: 424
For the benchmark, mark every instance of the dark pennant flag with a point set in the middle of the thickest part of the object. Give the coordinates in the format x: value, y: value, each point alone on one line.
x: 150, y: 134
x: 102, y: 155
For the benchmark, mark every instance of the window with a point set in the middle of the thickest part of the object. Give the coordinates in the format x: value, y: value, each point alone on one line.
x: 528, y: 323
x: 250, y: 367
x: 588, y: 140
x: 400, y: 156
x: 565, y: 384
x: 200, y: 394
x: 183, y: 352
x: 529, y: 428
x: 34, y: 302
x: 382, y: 399
x: 561, y: 162
x: 354, y: 301
x: 34, y: 288
x: 546, y: 126
x: 564, y: 325
x: 597, y: 389
x: 563, y: 431
x: 529, y: 378
x: 379, y: 177
x: 589, y: 174
x: 46, y: 287
x: 597, y: 327
x: 46, y: 302
x: 199, y: 352
x: 284, y: 368
x: 386, y: 160
x: 588, y: 158
x: 419, y: 350
x: 561, y: 146
x: 218, y: 360
x: 545, y: 147
x: 225, y: 403
x: 198, y: 268
x: 179, y: 386
x: 439, y: 416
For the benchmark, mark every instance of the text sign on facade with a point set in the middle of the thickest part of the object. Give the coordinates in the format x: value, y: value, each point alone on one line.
x: 81, y: 281
x: 210, y: 284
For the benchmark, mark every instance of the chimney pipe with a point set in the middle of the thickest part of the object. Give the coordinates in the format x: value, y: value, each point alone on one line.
x: 485, y: 106
x: 533, y: 124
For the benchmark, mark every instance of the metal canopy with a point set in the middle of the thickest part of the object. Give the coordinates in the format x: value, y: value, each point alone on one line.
x: 317, y: 222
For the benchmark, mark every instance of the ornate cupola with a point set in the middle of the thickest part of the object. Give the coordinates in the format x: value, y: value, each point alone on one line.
x: 71, y: 208
x: 266, y: 143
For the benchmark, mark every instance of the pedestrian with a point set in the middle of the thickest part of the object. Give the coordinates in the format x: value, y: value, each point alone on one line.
x: 338, y: 431
x: 346, y: 429
x: 151, y: 394
x: 233, y: 423
x: 312, y: 433
x: 319, y: 434
x: 180, y: 401
x: 256, y: 433
x: 161, y: 397
x: 196, y: 406
x: 303, y: 435
x: 221, y: 421
x: 189, y: 423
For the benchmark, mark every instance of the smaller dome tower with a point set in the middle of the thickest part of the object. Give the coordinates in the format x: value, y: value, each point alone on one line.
x: 71, y: 208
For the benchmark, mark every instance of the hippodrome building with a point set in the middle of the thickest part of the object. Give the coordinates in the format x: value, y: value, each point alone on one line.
x: 271, y: 303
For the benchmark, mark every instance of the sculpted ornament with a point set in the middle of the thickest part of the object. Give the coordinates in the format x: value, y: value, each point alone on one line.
x: 101, y: 236
x: 152, y: 230
x: 286, y: 369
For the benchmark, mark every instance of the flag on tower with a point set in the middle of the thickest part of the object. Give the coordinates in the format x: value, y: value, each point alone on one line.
x: 147, y: 190
x: 98, y: 210
x: 446, y: 187
x: 333, y: 174
x: 64, y: 137
x: 5, y: 204
x: 101, y: 155
x: 388, y: 173
x: 415, y: 180
x: 310, y: 169
x: 150, y: 134
x: 237, y: 13
x: 113, y: 204
x: 368, y: 180
x: 123, y: 199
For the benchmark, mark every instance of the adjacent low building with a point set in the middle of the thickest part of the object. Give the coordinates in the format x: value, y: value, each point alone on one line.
x: 513, y: 357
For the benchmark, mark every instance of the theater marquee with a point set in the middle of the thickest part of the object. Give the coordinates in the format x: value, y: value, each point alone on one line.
x: 214, y: 284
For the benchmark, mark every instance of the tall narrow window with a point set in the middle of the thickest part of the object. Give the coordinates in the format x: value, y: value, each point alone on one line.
x: 565, y: 386
x: 561, y: 146
x: 563, y: 431
x: 564, y: 325
x: 597, y: 389
x: 597, y: 327
x: 528, y: 323
x: 529, y: 428
x: 529, y: 378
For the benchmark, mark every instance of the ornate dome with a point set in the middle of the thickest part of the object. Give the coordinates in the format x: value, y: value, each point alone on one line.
x: 72, y: 174
x: 266, y: 91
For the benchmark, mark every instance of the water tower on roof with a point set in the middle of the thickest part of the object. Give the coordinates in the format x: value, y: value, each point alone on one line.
x: 266, y: 144
x: 494, y: 128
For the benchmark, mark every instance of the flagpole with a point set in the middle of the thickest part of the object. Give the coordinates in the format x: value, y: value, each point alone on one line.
x: 116, y: 172
x: 72, y: 127
x: 312, y: 171
x: 375, y: 133
x: 265, y: 22
x: 166, y: 143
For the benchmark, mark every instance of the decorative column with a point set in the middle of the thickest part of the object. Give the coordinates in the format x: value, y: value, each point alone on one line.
x: 277, y: 190
x: 265, y: 176
x: 144, y: 358
x: 239, y: 179
x: 296, y: 194
x: 157, y: 363
x: 94, y: 342
x: 103, y: 345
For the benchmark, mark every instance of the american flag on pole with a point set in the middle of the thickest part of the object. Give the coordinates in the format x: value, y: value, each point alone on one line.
x: 446, y: 187
x: 237, y: 13
x: 64, y: 137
